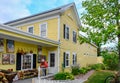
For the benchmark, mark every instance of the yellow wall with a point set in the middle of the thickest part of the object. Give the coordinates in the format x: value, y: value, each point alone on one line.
x: 70, y: 46
x: 26, y: 48
x: 52, y: 28
x: 100, y: 59
x: 21, y: 46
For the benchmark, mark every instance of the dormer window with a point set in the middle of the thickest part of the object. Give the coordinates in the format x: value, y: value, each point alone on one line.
x: 30, y: 29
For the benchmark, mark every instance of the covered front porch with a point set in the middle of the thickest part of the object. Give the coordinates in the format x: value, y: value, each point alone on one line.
x: 24, y: 51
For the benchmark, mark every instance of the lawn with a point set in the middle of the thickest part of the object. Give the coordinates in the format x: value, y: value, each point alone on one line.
x: 99, y: 76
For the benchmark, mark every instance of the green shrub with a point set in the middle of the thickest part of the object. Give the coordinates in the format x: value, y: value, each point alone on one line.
x: 98, y: 66
x: 64, y: 76
x: 111, y: 60
x: 83, y: 70
x: 75, y: 70
x: 88, y: 68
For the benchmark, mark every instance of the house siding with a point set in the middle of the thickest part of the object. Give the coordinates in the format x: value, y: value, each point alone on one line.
x: 70, y: 46
x: 52, y: 28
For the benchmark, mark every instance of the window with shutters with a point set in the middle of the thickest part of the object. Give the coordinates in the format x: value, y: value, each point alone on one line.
x: 27, y: 61
x: 66, y: 32
x: 74, y: 58
x: 74, y: 36
x: 30, y: 29
x: 43, y: 30
x: 67, y: 59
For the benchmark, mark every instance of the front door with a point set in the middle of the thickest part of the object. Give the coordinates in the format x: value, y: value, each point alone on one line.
x: 52, y: 62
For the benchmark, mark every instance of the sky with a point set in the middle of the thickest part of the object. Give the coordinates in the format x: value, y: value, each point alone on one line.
x: 15, y: 9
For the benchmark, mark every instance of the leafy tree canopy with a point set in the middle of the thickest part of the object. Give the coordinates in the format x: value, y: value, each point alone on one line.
x: 101, y: 21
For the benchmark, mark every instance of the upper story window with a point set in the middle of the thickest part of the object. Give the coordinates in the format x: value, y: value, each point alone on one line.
x: 74, y: 58
x: 30, y: 29
x: 66, y: 59
x: 43, y: 30
x: 74, y: 36
x: 66, y: 32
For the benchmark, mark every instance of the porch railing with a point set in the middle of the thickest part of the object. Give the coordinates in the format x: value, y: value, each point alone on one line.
x: 48, y: 71
x: 36, y: 80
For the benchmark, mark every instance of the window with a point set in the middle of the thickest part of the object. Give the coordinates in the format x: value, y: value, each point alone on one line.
x: 66, y: 59
x: 66, y: 32
x: 52, y: 59
x: 27, y: 61
x: 30, y: 29
x: 43, y: 30
x: 74, y: 36
x: 74, y: 59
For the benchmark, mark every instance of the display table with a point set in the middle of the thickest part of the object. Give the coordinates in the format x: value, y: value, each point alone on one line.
x: 10, y: 76
x: 1, y: 78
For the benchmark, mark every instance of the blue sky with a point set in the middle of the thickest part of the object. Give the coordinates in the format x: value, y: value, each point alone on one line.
x: 14, y: 9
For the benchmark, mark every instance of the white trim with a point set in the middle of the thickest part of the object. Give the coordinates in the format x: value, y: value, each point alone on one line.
x: 67, y: 52
x: 35, y: 21
x: 67, y: 26
x: 75, y: 54
x: 31, y: 61
x: 45, y: 27
x: 49, y: 57
x: 72, y: 36
x: 58, y: 58
x: 30, y: 27
x: 14, y: 30
x: 55, y: 68
x: 58, y: 28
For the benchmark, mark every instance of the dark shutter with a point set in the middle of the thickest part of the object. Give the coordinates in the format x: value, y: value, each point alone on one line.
x: 64, y: 59
x: 18, y: 61
x: 75, y: 37
x: 34, y: 61
x: 64, y: 31
x: 68, y: 33
x: 73, y: 59
x: 76, y: 58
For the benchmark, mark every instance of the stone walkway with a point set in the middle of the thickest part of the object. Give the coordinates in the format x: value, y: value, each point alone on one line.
x: 81, y: 78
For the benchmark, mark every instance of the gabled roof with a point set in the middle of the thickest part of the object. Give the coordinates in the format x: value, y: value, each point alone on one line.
x: 58, y: 10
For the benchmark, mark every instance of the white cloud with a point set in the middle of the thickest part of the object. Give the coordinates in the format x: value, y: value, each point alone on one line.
x: 13, y: 9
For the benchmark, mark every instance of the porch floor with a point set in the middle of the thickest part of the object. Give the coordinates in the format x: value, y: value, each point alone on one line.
x: 29, y: 80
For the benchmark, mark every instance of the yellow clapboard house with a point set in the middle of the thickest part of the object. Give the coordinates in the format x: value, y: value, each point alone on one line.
x: 51, y: 35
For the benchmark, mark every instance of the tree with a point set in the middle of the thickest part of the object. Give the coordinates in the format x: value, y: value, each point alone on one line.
x: 101, y: 20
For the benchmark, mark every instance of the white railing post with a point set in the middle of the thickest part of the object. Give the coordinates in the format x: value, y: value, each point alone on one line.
x: 39, y: 73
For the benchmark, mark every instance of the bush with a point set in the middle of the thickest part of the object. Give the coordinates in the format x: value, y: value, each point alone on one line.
x: 64, y: 76
x: 75, y: 70
x: 98, y: 66
x: 111, y: 60
x: 83, y: 70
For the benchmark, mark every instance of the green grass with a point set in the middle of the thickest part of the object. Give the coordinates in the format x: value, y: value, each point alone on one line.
x: 99, y: 76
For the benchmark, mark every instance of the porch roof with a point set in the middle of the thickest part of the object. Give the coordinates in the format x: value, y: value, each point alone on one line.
x: 18, y: 35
